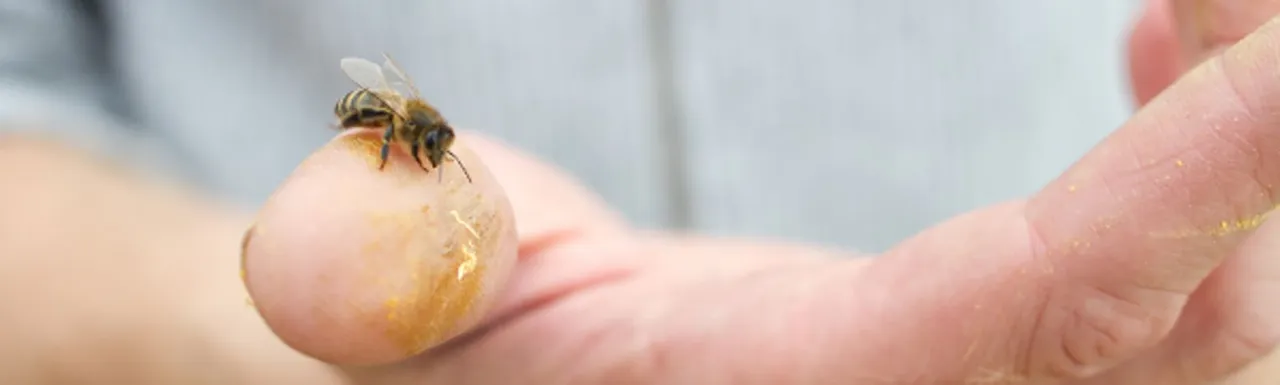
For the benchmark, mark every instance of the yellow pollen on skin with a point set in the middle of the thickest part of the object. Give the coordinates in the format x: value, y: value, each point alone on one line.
x: 1223, y: 228
x: 441, y: 294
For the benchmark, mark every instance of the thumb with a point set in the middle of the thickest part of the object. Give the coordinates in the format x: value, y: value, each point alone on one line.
x: 355, y: 265
x: 366, y: 269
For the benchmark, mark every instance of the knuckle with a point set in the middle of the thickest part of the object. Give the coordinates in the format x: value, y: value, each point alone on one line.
x: 1255, y: 99
x: 1083, y: 330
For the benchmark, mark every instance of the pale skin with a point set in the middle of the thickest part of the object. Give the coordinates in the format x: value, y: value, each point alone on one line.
x: 1146, y: 263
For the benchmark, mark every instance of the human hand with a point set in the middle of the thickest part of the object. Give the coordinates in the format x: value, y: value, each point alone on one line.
x: 1136, y: 266
x: 1170, y: 37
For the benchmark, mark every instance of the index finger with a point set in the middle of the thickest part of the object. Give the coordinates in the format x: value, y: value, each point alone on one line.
x: 1137, y: 224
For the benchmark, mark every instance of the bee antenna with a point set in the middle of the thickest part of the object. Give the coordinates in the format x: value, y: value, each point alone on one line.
x: 460, y: 165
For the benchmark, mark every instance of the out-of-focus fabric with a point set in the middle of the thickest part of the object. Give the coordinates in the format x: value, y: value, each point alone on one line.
x: 849, y: 122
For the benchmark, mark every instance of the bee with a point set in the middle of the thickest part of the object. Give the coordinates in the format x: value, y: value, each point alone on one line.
x: 406, y: 116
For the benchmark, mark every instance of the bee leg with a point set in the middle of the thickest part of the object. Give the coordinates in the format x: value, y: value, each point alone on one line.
x: 439, y: 170
x: 386, y: 146
x: 416, y: 149
x: 429, y: 141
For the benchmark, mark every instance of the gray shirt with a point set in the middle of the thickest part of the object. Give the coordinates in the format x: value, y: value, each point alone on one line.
x: 843, y: 121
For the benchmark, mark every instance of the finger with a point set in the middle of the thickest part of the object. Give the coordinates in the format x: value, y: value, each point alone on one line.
x: 1155, y: 54
x: 1096, y: 267
x: 554, y: 212
x: 354, y: 265
x: 1207, y: 27
x: 1134, y: 227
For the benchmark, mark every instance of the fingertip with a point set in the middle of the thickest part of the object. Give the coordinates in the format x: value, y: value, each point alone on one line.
x: 1155, y: 51
x: 359, y: 266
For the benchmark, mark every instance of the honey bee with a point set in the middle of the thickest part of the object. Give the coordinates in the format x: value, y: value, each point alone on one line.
x: 408, y: 118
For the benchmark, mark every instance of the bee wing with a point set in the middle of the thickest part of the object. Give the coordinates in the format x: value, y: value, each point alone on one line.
x: 365, y: 73
x: 403, y: 78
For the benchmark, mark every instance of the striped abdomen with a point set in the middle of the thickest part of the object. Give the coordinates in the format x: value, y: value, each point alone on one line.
x: 362, y: 108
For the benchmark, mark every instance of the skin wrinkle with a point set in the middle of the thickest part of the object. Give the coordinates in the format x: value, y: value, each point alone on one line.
x: 1243, y: 220
x: 1241, y: 142
x: 1268, y: 191
x: 1255, y: 323
x: 1117, y: 219
x: 1191, y: 228
x: 534, y: 247
x: 1182, y: 154
x: 1253, y: 150
x: 1104, y: 179
x: 244, y: 246
x: 1092, y: 326
x: 1137, y: 164
x: 588, y: 340
x: 613, y: 365
x: 1193, y: 367
x: 1039, y: 251
x: 1245, y: 150
x: 1225, y: 227
x: 1097, y: 233
x: 1228, y: 72
x: 1142, y: 173
x: 1249, y: 345
x: 1242, y: 146
x: 1108, y: 181
x: 1105, y: 328
x: 991, y: 377
x: 1074, y: 362
x: 1018, y: 367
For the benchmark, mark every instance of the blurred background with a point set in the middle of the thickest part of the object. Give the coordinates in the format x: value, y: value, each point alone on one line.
x: 855, y: 123
x: 850, y: 123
